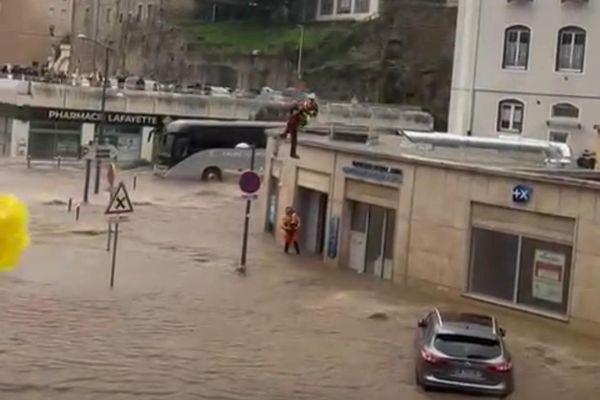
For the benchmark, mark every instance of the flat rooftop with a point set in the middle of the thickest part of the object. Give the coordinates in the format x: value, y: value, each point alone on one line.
x: 513, y: 164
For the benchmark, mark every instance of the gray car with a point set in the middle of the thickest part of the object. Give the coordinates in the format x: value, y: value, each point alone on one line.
x: 462, y: 351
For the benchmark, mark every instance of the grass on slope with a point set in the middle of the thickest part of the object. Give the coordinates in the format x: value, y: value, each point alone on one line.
x: 244, y: 38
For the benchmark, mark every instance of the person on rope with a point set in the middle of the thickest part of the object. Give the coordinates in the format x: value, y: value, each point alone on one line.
x: 298, y: 118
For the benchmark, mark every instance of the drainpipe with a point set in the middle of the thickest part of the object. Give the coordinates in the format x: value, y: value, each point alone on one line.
x: 472, y: 105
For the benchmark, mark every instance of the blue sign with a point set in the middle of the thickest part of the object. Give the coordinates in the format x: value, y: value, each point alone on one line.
x: 521, y: 194
x: 249, y: 182
x: 374, y: 172
x: 334, y: 226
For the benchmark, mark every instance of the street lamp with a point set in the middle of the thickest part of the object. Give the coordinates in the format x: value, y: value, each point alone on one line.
x: 101, y: 130
x: 300, y: 51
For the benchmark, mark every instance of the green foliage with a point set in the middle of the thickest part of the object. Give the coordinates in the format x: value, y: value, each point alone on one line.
x: 244, y: 38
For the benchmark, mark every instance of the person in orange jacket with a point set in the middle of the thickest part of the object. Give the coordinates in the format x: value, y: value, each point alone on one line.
x: 298, y: 118
x: 290, y: 226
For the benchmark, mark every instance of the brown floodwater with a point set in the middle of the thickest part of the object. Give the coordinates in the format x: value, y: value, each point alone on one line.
x: 181, y: 324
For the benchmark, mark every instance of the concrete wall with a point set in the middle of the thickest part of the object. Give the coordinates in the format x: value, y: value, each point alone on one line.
x: 434, y: 218
x: 480, y: 81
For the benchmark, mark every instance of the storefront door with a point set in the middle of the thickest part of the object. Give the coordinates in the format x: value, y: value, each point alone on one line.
x: 371, y: 240
x: 312, y: 209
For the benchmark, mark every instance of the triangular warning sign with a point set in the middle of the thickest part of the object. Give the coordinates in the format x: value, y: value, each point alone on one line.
x: 120, y: 202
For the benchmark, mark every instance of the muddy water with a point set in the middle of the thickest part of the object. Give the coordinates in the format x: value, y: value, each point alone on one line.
x: 181, y: 324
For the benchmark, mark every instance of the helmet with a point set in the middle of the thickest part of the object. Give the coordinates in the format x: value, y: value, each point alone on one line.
x: 312, y: 96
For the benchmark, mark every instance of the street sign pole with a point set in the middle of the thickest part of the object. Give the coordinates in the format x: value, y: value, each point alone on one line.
x: 119, y: 204
x: 247, y: 218
x: 86, y: 185
x: 114, y: 256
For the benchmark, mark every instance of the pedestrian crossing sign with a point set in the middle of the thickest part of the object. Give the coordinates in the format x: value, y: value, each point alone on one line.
x: 120, y: 203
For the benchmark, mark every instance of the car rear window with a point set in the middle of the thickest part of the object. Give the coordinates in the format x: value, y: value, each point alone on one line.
x: 467, y: 346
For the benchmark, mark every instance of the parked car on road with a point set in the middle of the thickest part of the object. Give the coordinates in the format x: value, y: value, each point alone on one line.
x: 462, y: 351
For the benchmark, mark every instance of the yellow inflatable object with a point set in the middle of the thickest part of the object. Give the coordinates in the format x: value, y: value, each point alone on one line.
x: 14, y: 237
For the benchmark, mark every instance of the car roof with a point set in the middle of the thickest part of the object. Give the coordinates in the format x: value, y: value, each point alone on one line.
x: 467, y: 324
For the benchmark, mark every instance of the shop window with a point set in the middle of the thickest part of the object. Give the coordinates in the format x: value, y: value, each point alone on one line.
x: 520, y: 270
x: 544, y: 275
x: 359, y: 217
x: 493, y: 263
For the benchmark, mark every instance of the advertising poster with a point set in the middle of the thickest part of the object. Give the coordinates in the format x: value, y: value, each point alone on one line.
x: 548, y: 276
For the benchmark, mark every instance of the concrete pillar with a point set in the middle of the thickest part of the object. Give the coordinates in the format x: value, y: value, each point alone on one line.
x: 20, y: 138
x: 465, y: 66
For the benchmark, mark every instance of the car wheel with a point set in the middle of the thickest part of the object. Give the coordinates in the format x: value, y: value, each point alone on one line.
x: 212, y: 174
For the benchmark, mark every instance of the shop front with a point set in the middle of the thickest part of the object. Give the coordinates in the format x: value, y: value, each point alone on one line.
x: 61, y: 132
x: 527, y: 241
x: 372, y: 196
x: 521, y: 258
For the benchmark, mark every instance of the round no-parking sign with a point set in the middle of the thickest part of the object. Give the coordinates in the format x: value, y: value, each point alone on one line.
x: 249, y: 182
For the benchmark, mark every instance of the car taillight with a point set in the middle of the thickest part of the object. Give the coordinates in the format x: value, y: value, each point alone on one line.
x: 504, y: 366
x: 430, y: 358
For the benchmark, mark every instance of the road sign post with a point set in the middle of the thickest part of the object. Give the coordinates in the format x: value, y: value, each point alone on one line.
x: 119, y: 205
x: 86, y: 184
x: 249, y: 184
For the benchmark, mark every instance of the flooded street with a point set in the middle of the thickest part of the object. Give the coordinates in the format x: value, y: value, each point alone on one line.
x: 181, y: 324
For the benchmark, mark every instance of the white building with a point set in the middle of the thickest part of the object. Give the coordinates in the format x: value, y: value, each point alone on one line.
x: 357, y: 10
x: 527, y: 68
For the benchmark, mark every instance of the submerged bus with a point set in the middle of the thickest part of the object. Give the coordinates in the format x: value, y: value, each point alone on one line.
x: 201, y: 146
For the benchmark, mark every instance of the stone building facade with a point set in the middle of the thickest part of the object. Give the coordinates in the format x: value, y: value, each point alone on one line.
x: 29, y: 29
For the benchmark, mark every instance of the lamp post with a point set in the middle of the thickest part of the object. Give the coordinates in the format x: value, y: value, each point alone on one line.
x: 300, y: 52
x: 101, y: 128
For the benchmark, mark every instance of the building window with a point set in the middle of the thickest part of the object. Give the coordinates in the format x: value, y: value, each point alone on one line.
x: 121, y: 18
x: 520, y: 270
x: 571, y: 49
x: 565, y: 110
x: 510, y: 116
x: 140, y: 13
x: 150, y: 12
x: 516, y: 47
x: 558, y: 137
x: 326, y: 7
x: 344, y: 6
x: 362, y: 6
x: 109, y: 15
